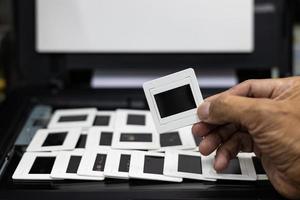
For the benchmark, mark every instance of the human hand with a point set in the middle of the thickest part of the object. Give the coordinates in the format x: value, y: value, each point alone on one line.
x: 260, y: 116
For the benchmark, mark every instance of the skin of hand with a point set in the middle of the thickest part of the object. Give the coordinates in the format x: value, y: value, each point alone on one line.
x: 260, y: 116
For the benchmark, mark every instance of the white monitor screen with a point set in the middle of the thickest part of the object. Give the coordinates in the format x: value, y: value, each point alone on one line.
x: 145, y: 26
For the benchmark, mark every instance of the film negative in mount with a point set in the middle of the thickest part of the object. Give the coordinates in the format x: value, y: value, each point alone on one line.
x: 93, y: 163
x: 118, y: 164
x: 66, y: 166
x: 105, y: 119
x: 54, y: 139
x: 63, y: 118
x: 81, y: 142
x: 100, y: 138
x: 136, y: 139
x: 35, y: 166
x: 181, y: 139
x: 173, y: 100
x: 149, y: 165
x: 184, y: 164
x: 133, y: 119
x: 240, y: 168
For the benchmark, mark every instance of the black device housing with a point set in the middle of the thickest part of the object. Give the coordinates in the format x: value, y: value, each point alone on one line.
x: 62, y: 81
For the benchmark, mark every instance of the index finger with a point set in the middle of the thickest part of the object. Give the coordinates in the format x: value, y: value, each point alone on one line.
x: 202, y: 129
x: 263, y: 88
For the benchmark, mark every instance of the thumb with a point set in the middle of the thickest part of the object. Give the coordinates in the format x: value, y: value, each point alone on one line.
x: 229, y: 109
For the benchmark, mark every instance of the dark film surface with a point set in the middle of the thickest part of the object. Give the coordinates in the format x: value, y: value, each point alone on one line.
x: 81, y: 142
x: 136, y: 120
x: 73, y: 164
x: 55, y: 139
x: 189, y: 164
x: 99, y: 162
x: 170, y: 139
x: 72, y: 118
x: 101, y: 120
x: 154, y: 165
x: 233, y: 167
x: 133, y: 137
x: 42, y: 165
x: 175, y: 101
x: 258, y: 166
x: 124, y: 163
x: 106, y: 138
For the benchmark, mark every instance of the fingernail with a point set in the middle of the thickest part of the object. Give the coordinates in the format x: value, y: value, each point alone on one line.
x: 203, y: 110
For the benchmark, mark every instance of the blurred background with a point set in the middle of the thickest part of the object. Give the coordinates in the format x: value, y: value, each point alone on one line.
x: 296, y: 41
x: 5, y: 27
x: 7, y: 58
